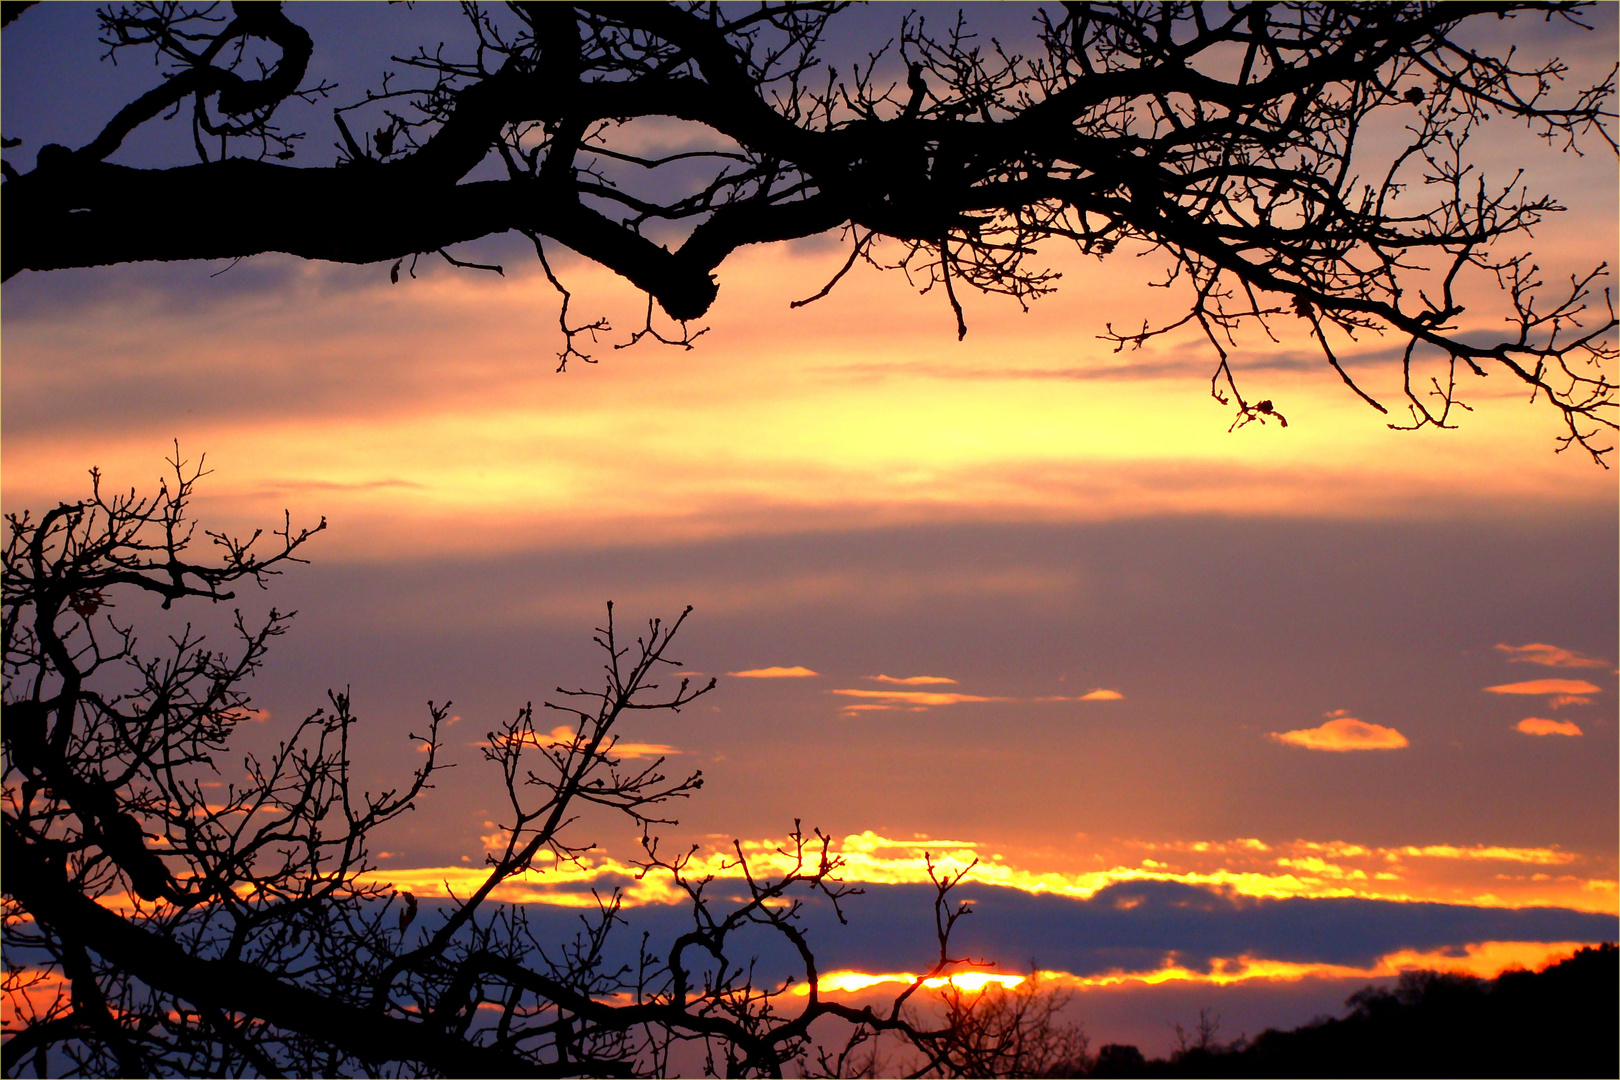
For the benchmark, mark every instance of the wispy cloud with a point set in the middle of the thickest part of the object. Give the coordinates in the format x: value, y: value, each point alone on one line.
x: 1481, y: 875
x: 917, y: 697
x: 1094, y: 695
x: 1535, y: 725
x: 1564, y: 687
x: 1549, y: 656
x: 1190, y: 365
x: 565, y: 737
x: 1344, y: 733
x: 912, y: 680
x: 795, y: 672
x: 916, y: 700
x: 1484, y: 959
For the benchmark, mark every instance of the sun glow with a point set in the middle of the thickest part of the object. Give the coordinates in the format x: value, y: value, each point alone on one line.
x: 1485, y: 960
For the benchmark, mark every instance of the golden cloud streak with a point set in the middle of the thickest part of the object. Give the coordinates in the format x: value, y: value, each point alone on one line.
x: 917, y: 697
x: 1246, y: 867
x: 1546, y: 686
x: 855, y: 982
x: 924, y: 699
x: 774, y: 673
x: 1344, y: 734
x: 1549, y: 656
x: 564, y: 737
x: 1535, y: 725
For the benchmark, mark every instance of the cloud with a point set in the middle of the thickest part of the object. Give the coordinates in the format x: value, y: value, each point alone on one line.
x: 1532, y: 856
x: 1345, y: 733
x: 1546, y: 686
x: 912, y: 680
x: 564, y: 737
x: 1147, y: 930
x: 917, y: 697
x: 1549, y: 656
x: 1189, y: 366
x: 1535, y: 725
x: 774, y: 673
x: 1238, y: 870
x: 1095, y: 695
x: 923, y: 699
x: 1558, y: 701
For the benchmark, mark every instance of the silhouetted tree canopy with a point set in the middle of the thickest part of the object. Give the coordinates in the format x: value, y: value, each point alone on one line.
x: 174, y: 906
x: 1293, y: 161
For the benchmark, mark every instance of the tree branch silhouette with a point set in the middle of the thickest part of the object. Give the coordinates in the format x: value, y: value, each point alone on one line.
x: 1232, y: 139
x: 160, y: 922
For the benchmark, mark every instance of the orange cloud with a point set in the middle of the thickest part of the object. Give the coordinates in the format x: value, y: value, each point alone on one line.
x: 1479, y: 875
x: 917, y: 697
x: 1545, y: 686
x: 924, y: 699
x: 854, y: 982
x: 774, y: 673
x: 1535, y: 725
x: 565, y: 736
x: 1549, y: 656
x: 1345, y: 733
x: 1095, y: 695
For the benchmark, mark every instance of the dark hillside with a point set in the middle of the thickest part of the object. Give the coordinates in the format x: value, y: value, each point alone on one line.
x: 1560, y: 1022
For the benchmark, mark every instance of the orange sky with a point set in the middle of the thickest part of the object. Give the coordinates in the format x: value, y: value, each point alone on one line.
x: 396, y: 410
x: 1029, y: 595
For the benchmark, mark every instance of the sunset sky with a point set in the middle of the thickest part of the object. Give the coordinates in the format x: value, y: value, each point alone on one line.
x: 1230, y: 719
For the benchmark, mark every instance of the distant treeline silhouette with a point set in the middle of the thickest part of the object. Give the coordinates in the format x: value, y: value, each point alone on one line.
x: 1563, y: 1021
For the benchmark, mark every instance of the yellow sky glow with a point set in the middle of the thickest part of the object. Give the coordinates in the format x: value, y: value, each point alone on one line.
x: 1484, y: 875
x: 862, y: 410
